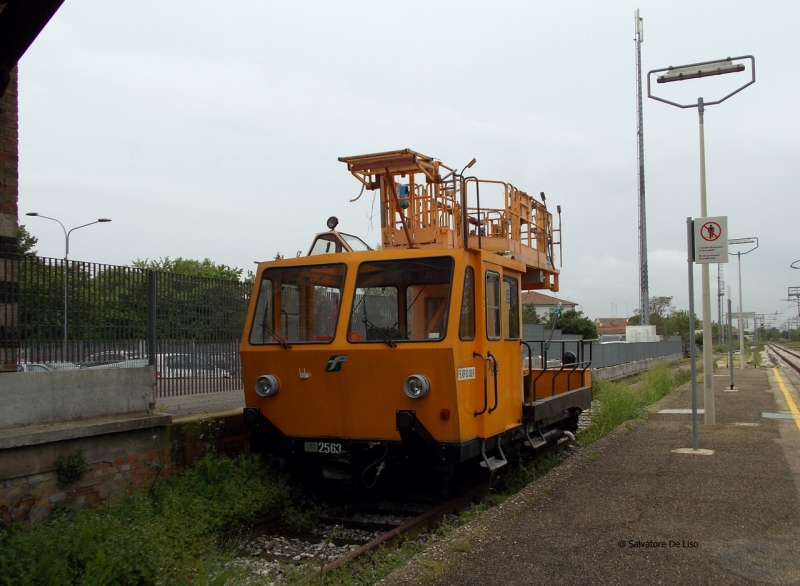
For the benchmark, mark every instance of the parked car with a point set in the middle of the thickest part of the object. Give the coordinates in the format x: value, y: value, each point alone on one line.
x: 187, y: 366
x: 229, y: 362
x: 33, y: 367
x: 62, y: 365
x: 113, y: 359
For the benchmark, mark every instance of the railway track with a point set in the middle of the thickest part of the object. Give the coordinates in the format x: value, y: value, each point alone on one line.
x: 343, y: 535
x: 789, y: 357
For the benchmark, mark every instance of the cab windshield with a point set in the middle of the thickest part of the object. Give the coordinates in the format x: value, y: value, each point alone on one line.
x: 401, y: 301
x: 335, y: 242
x: 298, y: 305
x: 355, y: 243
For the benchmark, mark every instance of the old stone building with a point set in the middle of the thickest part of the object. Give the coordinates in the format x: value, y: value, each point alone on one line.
x: 9, y: 191
x: 20, y: 24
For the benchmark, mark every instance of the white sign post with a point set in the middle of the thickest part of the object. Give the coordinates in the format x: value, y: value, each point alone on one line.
x: 707, y: 242
x: 711, y: 240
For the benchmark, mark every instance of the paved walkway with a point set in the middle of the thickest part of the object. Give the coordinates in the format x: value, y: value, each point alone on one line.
x: 207, y: 403
x: 628, y: 510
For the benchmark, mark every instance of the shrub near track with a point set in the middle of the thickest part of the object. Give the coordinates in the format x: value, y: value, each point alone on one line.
x: 616, y: 402
x: 168, y: 535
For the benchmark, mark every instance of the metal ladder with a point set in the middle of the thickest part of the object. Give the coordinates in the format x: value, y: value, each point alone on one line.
x: 535, y: 443
x: 491, y: 462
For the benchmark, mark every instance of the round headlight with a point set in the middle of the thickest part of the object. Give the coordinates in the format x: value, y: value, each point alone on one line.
x: 417, y: 386
x: 267, y: 385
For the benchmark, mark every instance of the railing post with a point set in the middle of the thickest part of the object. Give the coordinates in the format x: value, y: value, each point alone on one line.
x: 151, y: 316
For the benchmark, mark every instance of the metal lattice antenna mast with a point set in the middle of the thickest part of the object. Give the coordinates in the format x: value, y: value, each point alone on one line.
x: 644, y: 289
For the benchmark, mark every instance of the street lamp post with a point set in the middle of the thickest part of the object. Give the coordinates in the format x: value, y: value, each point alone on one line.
x: 694, y: 71
x: 741, y: 310
x: 66, y: 266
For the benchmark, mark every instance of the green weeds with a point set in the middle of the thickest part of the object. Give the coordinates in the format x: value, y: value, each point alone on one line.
x: 616, y: 402
x: 372, y: 566
x: 757, y: 350
x: 522, y: 474
x: 70, y: 468
x: 167, y: 536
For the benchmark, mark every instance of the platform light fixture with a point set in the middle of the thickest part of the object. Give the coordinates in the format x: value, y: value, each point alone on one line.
x: 700, y: 70
x: 682, y: 73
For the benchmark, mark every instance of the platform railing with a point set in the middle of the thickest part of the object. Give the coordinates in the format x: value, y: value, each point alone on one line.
x: 122, y: 317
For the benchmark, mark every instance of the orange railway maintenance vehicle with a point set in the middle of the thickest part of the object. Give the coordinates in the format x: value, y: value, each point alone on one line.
x: 409, y: 359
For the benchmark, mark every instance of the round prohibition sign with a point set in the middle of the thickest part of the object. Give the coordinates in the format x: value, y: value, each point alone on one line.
x: 710, y: 231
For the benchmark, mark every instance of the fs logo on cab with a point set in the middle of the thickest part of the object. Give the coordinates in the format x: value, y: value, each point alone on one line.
x: 335, y: 363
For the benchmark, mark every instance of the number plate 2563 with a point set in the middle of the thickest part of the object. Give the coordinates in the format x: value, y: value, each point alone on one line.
x: 323, y: 447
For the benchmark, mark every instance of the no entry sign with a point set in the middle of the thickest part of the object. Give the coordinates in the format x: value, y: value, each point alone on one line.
x: 711, y: 240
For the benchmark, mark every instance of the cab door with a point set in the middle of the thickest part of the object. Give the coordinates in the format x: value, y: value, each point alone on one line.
x: 501, y: 348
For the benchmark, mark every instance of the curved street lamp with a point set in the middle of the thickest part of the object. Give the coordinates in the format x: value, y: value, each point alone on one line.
x: 66, y: 265
x: 741, y: 310
x: 681, y: 73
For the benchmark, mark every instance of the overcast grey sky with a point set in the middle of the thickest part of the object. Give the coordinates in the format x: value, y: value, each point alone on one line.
x: 213, y: 129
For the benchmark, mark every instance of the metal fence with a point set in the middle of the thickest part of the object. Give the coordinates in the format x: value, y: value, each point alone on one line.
x: 602, y: 355
x: 57, y: 316
x: 613, y: 353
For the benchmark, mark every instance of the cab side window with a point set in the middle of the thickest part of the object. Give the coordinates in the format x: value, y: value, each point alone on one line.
x: 466, y: 326
x: 492, y: 305
x: 511, y: 307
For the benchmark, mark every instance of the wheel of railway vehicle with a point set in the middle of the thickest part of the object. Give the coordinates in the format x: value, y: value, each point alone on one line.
x: 571, y: 423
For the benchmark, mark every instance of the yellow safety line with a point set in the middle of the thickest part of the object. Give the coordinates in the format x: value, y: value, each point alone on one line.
x: 792, y: 407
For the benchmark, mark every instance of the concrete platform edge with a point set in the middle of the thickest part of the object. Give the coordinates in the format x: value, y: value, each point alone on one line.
x: 55, y: 432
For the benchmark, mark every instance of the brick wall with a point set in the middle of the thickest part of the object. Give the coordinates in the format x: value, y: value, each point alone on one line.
x: 9, y: 181
x: 35, y: 496
x: 117, y: 462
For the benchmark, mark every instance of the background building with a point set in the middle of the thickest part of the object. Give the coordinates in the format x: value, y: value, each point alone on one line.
x: 542, y: 304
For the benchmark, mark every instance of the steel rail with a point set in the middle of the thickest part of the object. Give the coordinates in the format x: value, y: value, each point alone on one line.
x: 426, y: 518
x: 784, y: 351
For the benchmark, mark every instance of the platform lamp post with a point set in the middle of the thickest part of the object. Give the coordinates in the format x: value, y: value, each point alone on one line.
x: 66, y: 266
x: 739, y: 256
x: 681, y: 73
